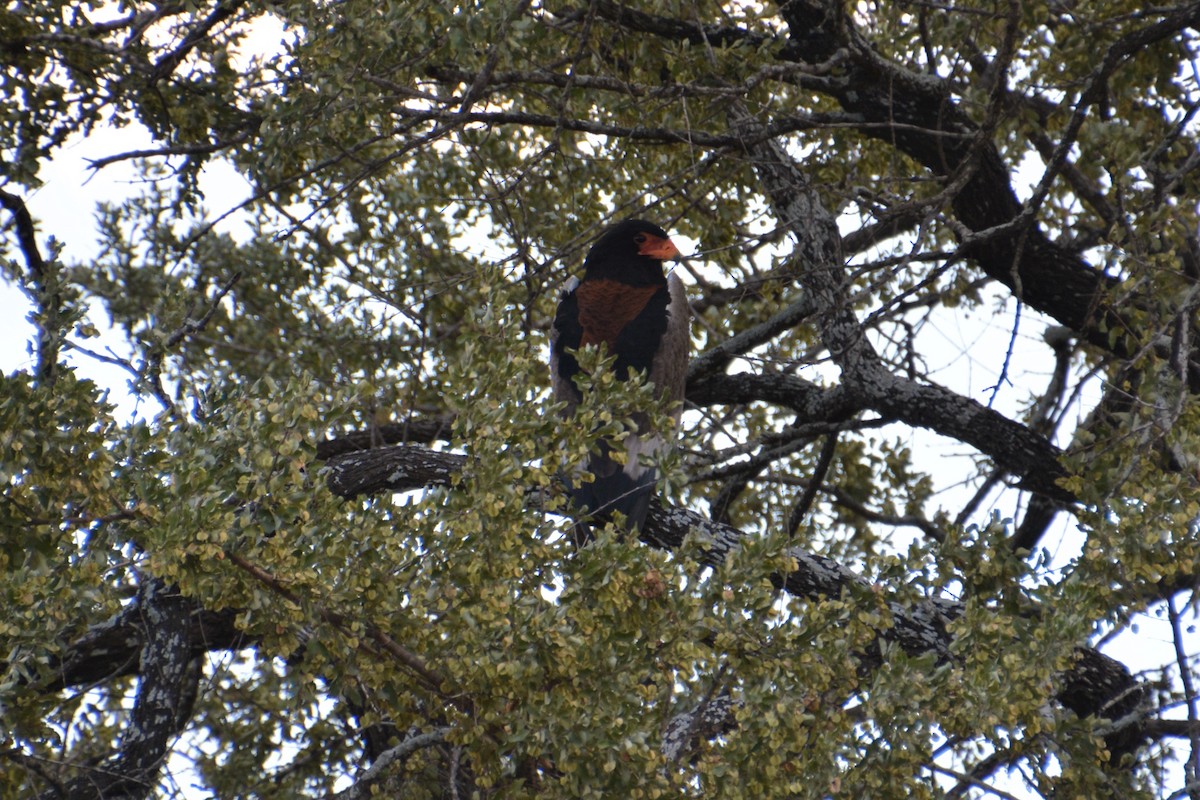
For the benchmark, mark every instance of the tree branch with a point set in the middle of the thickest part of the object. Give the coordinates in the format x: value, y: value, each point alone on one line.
x: 110, y: 649
x: 421, y: 430
x: 361, y: 788
x: 1095, y: 685
x: 916, y: 114
x: 151, y: 367
x: 46, y: 294
x: 166, y: 686
x: 168, y: 62
x: 718, y: 357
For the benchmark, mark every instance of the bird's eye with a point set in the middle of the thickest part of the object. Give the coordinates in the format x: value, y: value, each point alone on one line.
x: 640, y: 238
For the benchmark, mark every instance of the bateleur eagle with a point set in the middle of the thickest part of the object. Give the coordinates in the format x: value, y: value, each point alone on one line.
x: 641, y: 314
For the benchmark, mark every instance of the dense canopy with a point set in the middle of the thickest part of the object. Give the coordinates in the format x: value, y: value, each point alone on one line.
x: 932, y: 526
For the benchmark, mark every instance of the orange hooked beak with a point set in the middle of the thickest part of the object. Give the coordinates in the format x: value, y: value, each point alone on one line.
x: 662, y: 249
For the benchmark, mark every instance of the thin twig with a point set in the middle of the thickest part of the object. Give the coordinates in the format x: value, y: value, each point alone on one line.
x: 151, y: 367
x: 1002, y: 378
x: 824, y: 460
x: 1191, y: 767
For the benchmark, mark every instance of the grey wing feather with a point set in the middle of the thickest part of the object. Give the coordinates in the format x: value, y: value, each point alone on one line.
x: 669, y: 372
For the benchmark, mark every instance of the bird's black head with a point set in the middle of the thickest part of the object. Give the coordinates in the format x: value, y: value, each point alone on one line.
x: 631, y: 251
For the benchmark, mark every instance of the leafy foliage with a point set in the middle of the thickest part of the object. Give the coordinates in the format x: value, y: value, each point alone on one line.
x: 335, y: 515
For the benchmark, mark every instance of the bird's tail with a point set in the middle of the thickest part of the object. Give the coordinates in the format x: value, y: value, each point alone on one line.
x: 612, y: 490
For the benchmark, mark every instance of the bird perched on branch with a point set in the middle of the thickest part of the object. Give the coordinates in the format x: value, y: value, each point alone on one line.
x: 628, y: 303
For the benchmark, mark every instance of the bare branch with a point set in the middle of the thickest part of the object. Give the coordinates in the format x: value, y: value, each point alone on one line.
x: 361, y: 788
x: 1191, y: 767
x: 718, y: 357
x: 151, y: 367
x: 189, y: 149
x: 813, y: 486
x: 160, y: 708
x: 168, y: 62
x: 46, y: 294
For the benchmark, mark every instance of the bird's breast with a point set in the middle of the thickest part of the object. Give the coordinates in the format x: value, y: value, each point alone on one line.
x: 606, y: 307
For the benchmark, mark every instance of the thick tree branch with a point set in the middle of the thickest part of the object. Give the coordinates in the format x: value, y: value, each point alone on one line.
x: 711, y: 717
x: 1096, y: 685
x: 865, y: 378
x: 1016, y: 448
x: 718, y: 357
x: 380, y: 469
x: 166, y: 687
x: 110, y: 649
x: 917, y: 114
x: 807, y: 399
